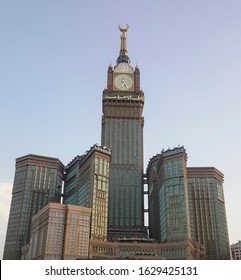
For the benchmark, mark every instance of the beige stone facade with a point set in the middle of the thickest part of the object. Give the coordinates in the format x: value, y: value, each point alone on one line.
x: 59, y: 232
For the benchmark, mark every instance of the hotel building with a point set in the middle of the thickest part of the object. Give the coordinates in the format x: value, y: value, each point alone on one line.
x: 187, y: 203
x: 59, y: 232
x: 168, y: 197
x: 87, y: 184
x: 122, y: 133
x: 37, y: 181
x: 207, y: 211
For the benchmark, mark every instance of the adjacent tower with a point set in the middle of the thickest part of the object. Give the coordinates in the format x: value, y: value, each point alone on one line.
x: 122, y: 132
x: 168, y: 196
x: 208, y: 212
x: 37, y: 181
x: 87, y: 184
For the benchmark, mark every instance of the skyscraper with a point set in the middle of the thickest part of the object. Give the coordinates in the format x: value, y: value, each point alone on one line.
x: 187, y: 203
x: 207, y: 211
x: 87, y: 184
x: 109, y: 180
x: 122, y: 133
x: 38, y: 181
x: 168, y: 197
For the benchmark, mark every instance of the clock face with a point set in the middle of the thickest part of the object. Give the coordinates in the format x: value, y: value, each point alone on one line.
x: 123, y: 82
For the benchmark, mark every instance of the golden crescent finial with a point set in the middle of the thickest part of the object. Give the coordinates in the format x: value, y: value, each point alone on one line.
x: 123, y: 29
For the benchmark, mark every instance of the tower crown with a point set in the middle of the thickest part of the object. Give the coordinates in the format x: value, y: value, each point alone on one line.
x: 123, y: 55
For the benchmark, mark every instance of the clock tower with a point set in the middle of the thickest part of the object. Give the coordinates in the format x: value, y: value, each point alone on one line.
x: 122, y: 132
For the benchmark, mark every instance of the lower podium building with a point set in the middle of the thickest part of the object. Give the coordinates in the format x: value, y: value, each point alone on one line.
x: 145, y: 249
x: 59, y: 232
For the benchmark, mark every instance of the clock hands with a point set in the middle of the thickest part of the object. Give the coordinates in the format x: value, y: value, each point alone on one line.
x: 123, y: 84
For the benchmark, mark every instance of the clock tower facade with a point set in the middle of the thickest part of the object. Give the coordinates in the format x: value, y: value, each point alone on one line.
x: 122, y: 132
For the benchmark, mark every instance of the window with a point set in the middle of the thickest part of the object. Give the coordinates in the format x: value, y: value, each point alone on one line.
x: 220, y: 192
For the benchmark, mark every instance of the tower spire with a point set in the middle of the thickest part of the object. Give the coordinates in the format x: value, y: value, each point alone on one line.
x: 123, y: 55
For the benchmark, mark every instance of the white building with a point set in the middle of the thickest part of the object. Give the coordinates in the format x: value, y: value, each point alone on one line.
x: 236, y: 250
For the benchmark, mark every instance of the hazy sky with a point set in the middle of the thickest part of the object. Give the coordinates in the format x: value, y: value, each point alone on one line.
x: 54, y: 56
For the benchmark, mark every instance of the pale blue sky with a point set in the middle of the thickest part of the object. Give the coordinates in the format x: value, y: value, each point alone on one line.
x: 54, y: 56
